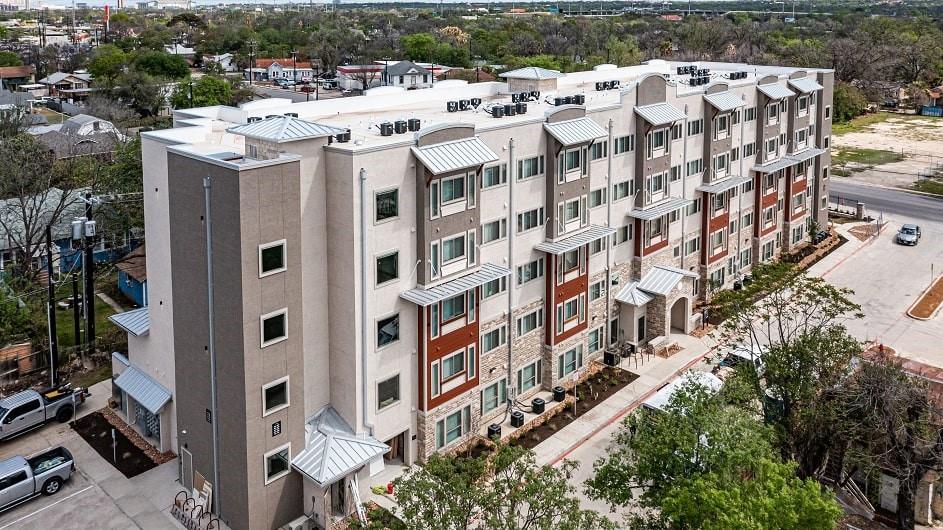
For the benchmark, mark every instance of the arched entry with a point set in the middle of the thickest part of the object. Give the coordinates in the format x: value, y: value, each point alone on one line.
x: 680, y: 312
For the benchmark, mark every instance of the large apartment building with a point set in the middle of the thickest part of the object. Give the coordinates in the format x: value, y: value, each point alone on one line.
x: 391, y: 271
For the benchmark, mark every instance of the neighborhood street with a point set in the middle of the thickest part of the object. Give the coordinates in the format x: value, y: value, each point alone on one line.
x: 887, y: 200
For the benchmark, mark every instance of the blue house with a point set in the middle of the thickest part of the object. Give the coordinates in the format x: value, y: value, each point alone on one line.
x: 132, y: 276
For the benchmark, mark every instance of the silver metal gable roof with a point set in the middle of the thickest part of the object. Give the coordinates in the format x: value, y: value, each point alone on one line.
x: 632, y: 295
x: 532, y: 72
x: 573, y: 132
x: 592, y: 233
x: 775, y: 91
x: 427, y: 297
x: 332, y: 449
x: 662, y: 279
x: 284, y: 129
x: 722, y: 185
x: 136, y: 322
x: 660, y: 113
x: 805, y: 84
x: 455, y: 155
x: 149, y: 393
x: 663, y: 208
x: 724, y: 101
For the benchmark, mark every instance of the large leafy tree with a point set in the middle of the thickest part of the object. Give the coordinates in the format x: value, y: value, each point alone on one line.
x: 8, y: 58
x: 162, y: 65
x: 206, y: 91
x: 107, y: 62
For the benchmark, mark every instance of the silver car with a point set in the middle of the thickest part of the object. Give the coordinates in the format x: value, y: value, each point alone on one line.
x: 908, y: 235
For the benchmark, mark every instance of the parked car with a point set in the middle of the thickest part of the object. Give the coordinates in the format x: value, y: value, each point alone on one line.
x: 283, y: 83
x: 908, y: 235
x: 22, y: 478
x: 741, y: 354
x: 30, y: 409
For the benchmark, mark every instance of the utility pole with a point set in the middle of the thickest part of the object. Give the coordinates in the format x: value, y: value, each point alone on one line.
x: 294, y: 69
x: 88, y: 268
x: 51, y: 314
x: 251, y: 56
x: 76, y: 310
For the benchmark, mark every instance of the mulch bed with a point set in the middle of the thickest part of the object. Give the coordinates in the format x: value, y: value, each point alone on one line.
x: 929, y: 301
x: 96, y: 430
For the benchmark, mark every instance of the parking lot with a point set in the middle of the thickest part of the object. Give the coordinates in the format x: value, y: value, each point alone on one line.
x: 97, y: 495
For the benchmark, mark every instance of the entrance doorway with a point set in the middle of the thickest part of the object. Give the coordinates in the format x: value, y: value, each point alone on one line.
x: 339, y: 498
x: 640, y: 330
x: 397, y: 453
x: 679, y: 315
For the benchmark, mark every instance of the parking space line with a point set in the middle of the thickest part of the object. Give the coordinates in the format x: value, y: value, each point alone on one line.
x: 27, y: 516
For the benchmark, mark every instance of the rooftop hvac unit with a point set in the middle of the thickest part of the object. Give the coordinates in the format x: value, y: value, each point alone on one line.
x: 567, y: 100
x: 475, y: 102
x: 497, y: 111
x: 386, y: 129
x: 535, y: 95
x: 464, y: 104
x: 557, y: 101
x: 524, y: 96
x: 270, y: 116
x: 452, y: 106
x: 253, y: 119
x: 579, y: 99
x: 521, y: 108
x: 680, y: 70
x: 600, y: 86
x: 291, y: 114
x: 614, y: 84
x: 399, y: 126
x: 510, y: 110
x: 412, y: 124
x: 515, y: 98
x: 343, y: 137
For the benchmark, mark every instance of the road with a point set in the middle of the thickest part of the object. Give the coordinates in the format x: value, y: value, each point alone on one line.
x: 295, y: 96
x: 888, y: 201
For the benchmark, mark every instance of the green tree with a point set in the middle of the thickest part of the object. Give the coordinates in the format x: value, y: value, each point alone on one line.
x: 541, y: 61
x: 162, y: 65
x: 624, y: 51
x: 418, y: 46
x: 442, y: 494
x: 145, y: 93
x: 206, y: 91
x: 848, y: 101
x: 107, y: 62
x: 10, y: 58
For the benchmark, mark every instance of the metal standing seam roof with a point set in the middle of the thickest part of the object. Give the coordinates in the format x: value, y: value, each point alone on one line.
x: 722, y: 185
x: 332, y: 450
x: 284, y: 129
x: 775, y: 91
x: 663, y: 208
x: 632, y: 295
x: 146, y: 391
x: 789, y: 160
x: 427, y: 297
x: 578, y: 131
x: 724, y: 101
x: 662, y: 279
x: 532, y: 72
x: 806, y: 154
x: 805, y: 84
x: 592, y: 233
x: 136, y: 322
x: 455, y: 155
x: 660, y: 113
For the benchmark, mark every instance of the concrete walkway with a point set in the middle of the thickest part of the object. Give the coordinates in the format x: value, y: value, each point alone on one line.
x: 111, y: 302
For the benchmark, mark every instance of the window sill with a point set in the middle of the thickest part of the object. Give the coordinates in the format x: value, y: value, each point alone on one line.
x: 271, y: 411
x: 388, y: 406
x: 277, y: 477
x: 272, y: 342
x: 385, y: 221
x: 272, y: 272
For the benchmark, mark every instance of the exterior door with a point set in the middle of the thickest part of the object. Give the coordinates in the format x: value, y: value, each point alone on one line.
x: 186, y: 470
x: 14, y: 487
x: 339, y: 498
x: 640, y: 331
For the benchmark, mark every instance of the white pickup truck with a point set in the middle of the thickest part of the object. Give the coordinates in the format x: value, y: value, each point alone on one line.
x: 22, y: 478
x: 30, y: 409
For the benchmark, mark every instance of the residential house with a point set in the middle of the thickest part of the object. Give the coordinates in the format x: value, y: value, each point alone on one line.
x: 69, y: 86
x: 359, y: 76
x: 12, y: 77
x: 81, y: 135
x: 272, y: 69
x: 226, y: 61
x: 407, y: 74
x: 132, y: 276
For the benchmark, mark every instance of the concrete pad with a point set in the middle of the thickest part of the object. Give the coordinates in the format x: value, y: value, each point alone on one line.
x: 117, y: 488
x: 134, y: 504
x: 155, y: 519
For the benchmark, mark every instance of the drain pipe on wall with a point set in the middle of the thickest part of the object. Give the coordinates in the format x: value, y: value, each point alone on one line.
x: 684, y: 183
x: 211, y: 345
x: 736, y: 260
x: 608, y: 194
x: 364, y: 386
x: 511, y: 232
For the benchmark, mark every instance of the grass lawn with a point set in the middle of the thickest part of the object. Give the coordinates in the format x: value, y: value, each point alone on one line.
x: 929, y: 186
x: 863, y: 157
x: 89, y: 378
x: 65, y: 330
x: 52, y: 116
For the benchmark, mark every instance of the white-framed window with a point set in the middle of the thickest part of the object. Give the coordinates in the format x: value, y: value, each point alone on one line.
x: 495, y: 338
x: 747, y: 220
x: 530, y: 322
x: 718, y: 202
x: 747, y: 186
x: 274, y: 327
x: 453, y: 365
x: 623, y: 144
x: 493, y: 176
x: 494, y: 287
x: 828, y: 112
x: 387, y: 330
x: 657, y: 144
x: 277, y: 463
x: 745, y: 257
x: 453, y: 249
x: 530, y: 271
x: 721, y: 127
x: 494, y: 230
x: 598, y: 150
x: 692, y: 245
x: 735, y: 117
x: 735, y: 154
x: 597, y: 245
x: 695, y: 126
x: 716, y: 278
x: 768, y: 250
x: 621, y: 190
x: 597, y: 290
x: 749, y: 149
x: 717, y: 241
x: 452, y: 427
x: 453, y: 307
x: 494, y: 395
x: 802, y: 138
x: 675, y: 173
x: 452, y: 189
x: 597, y: 197
x: 272, y: 258
x: 569, y: 361
x: 572, y: 161
x: 721, y: 164
x: 570, y: 312
x: 528, y: 377
x: 656, y: 183
x: 388, y: 392
x: 530, y: 219
x: 530, y: 167
x: 622, y: 235
x: 772, y: 114
x: 595, y: 339
x: 749, y: 114
x: 275, y: 396
x: 387, y: 268
x: 734, y: 226
x: 386, y: 204
x: 695, y: 166
x: 676, y: 132
x: 769, y: 216
x: 694, y: 207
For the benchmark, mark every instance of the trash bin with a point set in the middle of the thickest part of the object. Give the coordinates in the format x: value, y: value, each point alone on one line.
x: 559, y: 394
x: 517, y: 419
x: 537, y: 405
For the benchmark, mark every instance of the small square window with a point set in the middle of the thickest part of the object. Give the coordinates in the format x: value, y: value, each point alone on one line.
x: 387, y: 268
x: 277, y: 464
x: 388, y: 392
x: 387, y: 204
x: 275, y: 396
x: 272, y: 258
x: 387, y: 330
x: 274, y: 326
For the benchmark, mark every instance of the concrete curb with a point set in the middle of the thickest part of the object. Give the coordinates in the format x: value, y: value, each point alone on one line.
x: 919, y: 298
x: 850, y: 180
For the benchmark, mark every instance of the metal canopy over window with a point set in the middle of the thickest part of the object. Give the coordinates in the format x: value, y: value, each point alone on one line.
x: 573, y: 132
x: 723, y: 185
x: 660, y: 113
x: 455, y: 155
x: 789, y: 160
x: 576, y: 241
x: 135, y: 322
x: 805, y: 85
x: 660, y: 209
x: 775, y: 91
x: 662, y: 279
x: 632, y: 295
x: 724, y: 101
x: 148, y: 393
x: 427, y: 297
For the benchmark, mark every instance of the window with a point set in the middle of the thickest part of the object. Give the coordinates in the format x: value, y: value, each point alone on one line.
x: 735, y: 117
x: 596, y: 290
x: 622, y: 235
x: 694, y: 207
x: 387, y: 205
x: 798, y: 201
x: 271, y: 258
x: 745, y: 257
x: 277, y: 463
x: 656, y: 183
x: 623, y: 144
x: 747, y: 220
x: 453, y: 365
x: 695, y: 127
x: 721, y: 164
x: 387, y: 268
x: 494, y: 176
x: 673, y: 216
x: 530, y: 219
x: 530, y: 271
x: 717, y: 241
x: 453, y: 249
x: 675, y: 173
x: 571, y: 260
x: 749, y: 149
x: 721, y: 126
x: 733, y: 226
x: 388, y: 392
x: 598, y: 150
x: 768, y: 250
x: 275, y: 396
x: 828, y: 112
x: 719, y: 202
x: 692, y: 245
x: 452, y: 427
x: 695, y: 166
x: 772, y: 114
x: 620, y: 190
x: 530, y: 167
x: 274, y: 326
x: 493, y: 396
x: 676, y: 131
x: 802, y: 106
x: 453, y: 307
x: 571, y: 160
x: 769, y: 215
x: 387, y: 330
x: 453, y: 189
x: 494, y: 231
x: 494, y: 339
x: 749, y: 114
x: 571, y: 210
x: 530, y: 322
x: 747, y: 186
x: 528, y: 377
x: 802, y: 137
x: 826, y: 142
x: 735, y: 154
x: 595, y: 340
x: 597, y: 197
x: 782, y: 106
x: 569, y: 361
x: 494, y: 287
x: 596, y: 246
x: 772, y: 146
x: 657, y: 141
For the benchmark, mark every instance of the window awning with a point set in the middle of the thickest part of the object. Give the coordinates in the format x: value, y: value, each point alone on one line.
x: 660, y: 209
x: 427, y: 297
x: 722, y: 185
x: 332, y: 449
x: 806, y: 154
x: 662, y: 279
x: 632, y: 295
x: 724, y: 101
x: 660, y: 113
x: 149, y: 393
x: 455, y: 155
x: 789, y: 160
x: 775, y: 91
x: 805, y: 84
x: 135, y: 322
x: 574, y: 132
x: 575, y: 241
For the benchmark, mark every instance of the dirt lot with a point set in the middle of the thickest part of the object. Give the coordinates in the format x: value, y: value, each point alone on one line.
x: 896, y: 132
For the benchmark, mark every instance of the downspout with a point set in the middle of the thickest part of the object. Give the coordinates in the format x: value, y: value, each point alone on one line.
x: 609, y: 340
x: 211, y: 345
x: 740, y: 199
x: 364, y: 386
x: 684, y: 182
x: 511, y: 231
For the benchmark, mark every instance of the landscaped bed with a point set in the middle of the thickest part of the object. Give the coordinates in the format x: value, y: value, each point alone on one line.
x: 929, y: 302
x: 96, y: 430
